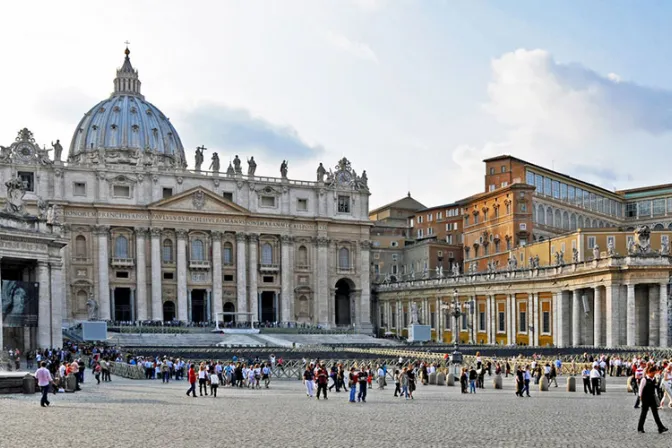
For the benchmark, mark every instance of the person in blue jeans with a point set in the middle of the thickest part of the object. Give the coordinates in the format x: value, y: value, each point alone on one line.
x: 472, y: 380
x: 363, y: 386
x: 353, y: 384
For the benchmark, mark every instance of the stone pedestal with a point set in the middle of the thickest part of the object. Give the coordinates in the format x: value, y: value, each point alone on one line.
x: 419, y: 333
x: 29, y: 384
x: 432, y: 378
x: 450, y: 379
x: 543, y: 384
x: 497, y: 381
x: 603, y: 384
x: 440, y: 379
x: 70, y: 383
x: 571, y: 384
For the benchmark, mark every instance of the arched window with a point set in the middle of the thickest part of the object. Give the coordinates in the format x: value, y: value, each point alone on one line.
x: 541, y: 215
x: 121, y: 247
x: 82, y: 298
x: 549, y: 217
x: 167, y: 251
x: 266, y: 254
x: 558, y: 220
x: 197, y: 250
x: 572, y: 225
x: 344, y: 258
x: 302, y: 256
x: 227, y: 254
x: 80, y: 246
x: 565, y: 220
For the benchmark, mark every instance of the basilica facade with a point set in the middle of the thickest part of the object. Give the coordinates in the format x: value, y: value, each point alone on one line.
x: 147, y: 237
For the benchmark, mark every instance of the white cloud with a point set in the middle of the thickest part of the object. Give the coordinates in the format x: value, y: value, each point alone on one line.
x: 370, y: 5
x: 356, y: 49
x: 567, y: 116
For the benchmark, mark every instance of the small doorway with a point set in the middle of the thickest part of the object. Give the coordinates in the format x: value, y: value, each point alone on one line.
x: 168, y: 311
x: 122, y: 304
x: 198, y: 308
x: 229, y: 308
x: 342, y: 308
x: 267, y: 307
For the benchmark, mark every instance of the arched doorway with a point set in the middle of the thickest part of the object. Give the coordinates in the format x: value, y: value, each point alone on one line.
x: 168, y: 311
x: 342, y: 305
x: 229, y: 308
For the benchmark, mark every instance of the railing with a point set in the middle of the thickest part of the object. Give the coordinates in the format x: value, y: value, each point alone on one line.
x: 83, y: 260
x: 269, y: 267
x: 123, y: 262
x: 302, y: 267
x: 199, y: 264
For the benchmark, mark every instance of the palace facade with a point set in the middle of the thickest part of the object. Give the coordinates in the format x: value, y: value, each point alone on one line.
x: 148, y: 238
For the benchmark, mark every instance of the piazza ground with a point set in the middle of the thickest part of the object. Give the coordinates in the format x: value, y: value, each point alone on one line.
x: 123, y: 412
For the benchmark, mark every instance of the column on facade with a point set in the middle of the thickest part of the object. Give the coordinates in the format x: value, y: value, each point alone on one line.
x: 183, y: 307
x: 663, y: 325
x: 531, y: 327
x: 588, y: 320
x: 509, y: 319
x: 365, y: 296
x: 133, y: 304
x: 287, y: 271
x: 157, y: 298
x: 2, y: 342
x: 631, y: 328
x: 653, y: 317
x: 425, y: 312
x: 613, y: 311
x: 576, y: 317
x: 141, y: 274
x: 474, y: 320
x: 104, y: 311
x: 241, y: 276
x: 438, y: 320
x: 562, y: 319
x: 217, y: 304
x: 44, y: 307
x: 535, y: 315
x: 554, y: 317
x: 252, y: 271
x: 323, y: 281
x: 597, y: 317
x: 57, y: 298
x: 190, y: 318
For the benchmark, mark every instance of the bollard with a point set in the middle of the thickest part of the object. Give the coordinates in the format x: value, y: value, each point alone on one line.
x: 450, y: 379
x: 29, y: 384
x: 70, y: 383
x: 440, y: 379
x: 543, y: 384
x: 497, y: 381
x: 571, y: 384
x: 432, y: 378
x: 603, y: 384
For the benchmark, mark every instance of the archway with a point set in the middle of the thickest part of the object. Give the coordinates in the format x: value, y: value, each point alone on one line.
x: 168, y: 311
x: 342, y: 310
x: 229, y: 308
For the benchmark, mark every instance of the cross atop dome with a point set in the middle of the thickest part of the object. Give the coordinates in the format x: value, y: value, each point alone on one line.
x: 127, y: 81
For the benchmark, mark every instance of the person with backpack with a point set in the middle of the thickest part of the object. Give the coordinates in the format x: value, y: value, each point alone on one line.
x: 191, y: 377
x: 322, y: 381
x: 647, y: 395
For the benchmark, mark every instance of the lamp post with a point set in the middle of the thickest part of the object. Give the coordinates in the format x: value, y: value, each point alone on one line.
x: 456, y: 357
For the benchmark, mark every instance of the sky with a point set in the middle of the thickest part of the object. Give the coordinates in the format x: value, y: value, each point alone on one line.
x: 415, y: 92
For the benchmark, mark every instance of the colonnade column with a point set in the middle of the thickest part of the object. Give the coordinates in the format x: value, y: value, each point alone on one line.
x: 57, y: 293
x: 612, y: 305
x: 576, y: 317
x: 141, y: 273
x: 253, y: 268
x: 241, y: 276
x: 365, y: 296
x: 182, y: 306
x: 44, y: 306
x: 323, y: 281
x: 286, y: 273
x: 157, y: 298
x: 509, y: 319
x: 663, y: 316
x: 654, y: 315
x: 597, y: 316
x: 554, y: 317
x: 631, y: 330
x: 103, y: 273
x: 531, y: 329
x: 535, y: 316
x: 562, y: 318
x: 217, y: 306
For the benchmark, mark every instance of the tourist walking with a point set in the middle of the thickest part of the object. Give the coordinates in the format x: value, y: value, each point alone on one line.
x: 381, y: 377
x: 202, y: 379
x: 214, y: 383
x: 308, y: 377
x: 322, y: 381
x: 397, y: 384
x: 44, y: 380
x: 352, y: 382
x: 585, y: 374
x: 595, y: 378
x: 403, y: 378
x: 647, y: 395
x: 363, y: 385
x: 472, y: 380
x: 191, y: 377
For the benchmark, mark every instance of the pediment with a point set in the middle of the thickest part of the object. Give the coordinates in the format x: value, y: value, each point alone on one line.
x: 199, y: 199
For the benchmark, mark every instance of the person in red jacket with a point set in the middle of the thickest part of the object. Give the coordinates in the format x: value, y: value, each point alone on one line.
x: 192, y: 381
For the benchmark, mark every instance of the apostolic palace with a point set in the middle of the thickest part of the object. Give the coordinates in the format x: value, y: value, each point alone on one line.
x: 121, y: 229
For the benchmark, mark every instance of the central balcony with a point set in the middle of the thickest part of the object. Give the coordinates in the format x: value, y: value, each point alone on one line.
x: 123, y: 262
x: 199, y: 264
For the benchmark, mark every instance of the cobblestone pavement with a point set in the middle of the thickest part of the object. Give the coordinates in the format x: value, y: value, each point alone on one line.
x: 123, y: 412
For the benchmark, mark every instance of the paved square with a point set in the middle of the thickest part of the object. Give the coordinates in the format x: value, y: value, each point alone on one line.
x: 125, y: 412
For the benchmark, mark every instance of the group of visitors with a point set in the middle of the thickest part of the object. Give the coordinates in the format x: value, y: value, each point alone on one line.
x: 213, y: 374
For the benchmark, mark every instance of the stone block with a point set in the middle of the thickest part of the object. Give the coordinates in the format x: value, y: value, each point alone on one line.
x: 70, y: 383
x: 543, y: 384
x: 497, y: 381
x: 440, y: 379
x: 29, y: 384
x: 450, y: 379
x: 432, y: 378
x: 603, y: 384
x: 571, y: 384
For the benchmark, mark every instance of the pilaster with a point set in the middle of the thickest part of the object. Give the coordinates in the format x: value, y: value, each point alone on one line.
x: 654, y: 315
x: 57, y: 289
x: 252, y: 270
x: 286, y: 268
x: 44, y: 320
x: 663, y: 326
x: 241, y: 276
x: 597, y: 317
x: 102, y: 233
x: 217, y: 303
x: 182, y: 306
x: 613, y: 314
x: 141, y: 273
x: 576, y: 317
x: 631, y: 329
x: 157, y: 298
x: 322, y: 281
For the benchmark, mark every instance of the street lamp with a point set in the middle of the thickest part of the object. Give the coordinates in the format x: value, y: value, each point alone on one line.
x: 457, y: 313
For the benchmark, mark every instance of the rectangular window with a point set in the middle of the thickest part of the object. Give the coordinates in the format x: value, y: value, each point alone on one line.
x: 570, y: 194
x: 302, y: 205
x: 430, y: 231
x: 593, y: 201
x: 492, y: 187
x: 586, y: 200
x: 419, y: 233
x: 228, y: 277
x: 432, y: 319
x: 546, y: 322
x: 665, y: 239
x: 556, y: 189
x: 481, y: 320
x: 122, y: 274
x: 121, y: 191
x: 227, y: 195
x: 503, y: 168
x: 522, y: 226
x: 539, y: 183
x: 501, y: 318
x: 439, y: 215
x: 579, y: 197
x: 464, y: 322
x: 643, y: 209
x: 168, y: 275
x: 547, y: 186
x: 658, y: 207
x: 631, y: 210
x: 28, y: 179
x: 227, y: 255
x: 611, y: 241
x: 529, y: 177
x: 504, y: 184
x: 449, y: 239
x: 167, y: 192
x: 466, y: 220
x: 79, y: 189
x: 522, y: 321
x: 419, y: 219
x: 563, y: 192
x: 268, y: 201
x: 429, y: 217
x: 591, y: 242
x: 268, y: 279
x: 562, y: 247
x: 395, y: 269
x: 344, y: 204
x: 629, y: 240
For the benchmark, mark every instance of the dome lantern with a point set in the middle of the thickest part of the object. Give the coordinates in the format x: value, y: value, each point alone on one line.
x: 127, y: 81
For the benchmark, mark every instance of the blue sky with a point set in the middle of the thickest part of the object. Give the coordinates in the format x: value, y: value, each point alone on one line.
x: 415, y: 92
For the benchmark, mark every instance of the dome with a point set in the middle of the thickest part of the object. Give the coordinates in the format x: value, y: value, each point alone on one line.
x: 126, y: 129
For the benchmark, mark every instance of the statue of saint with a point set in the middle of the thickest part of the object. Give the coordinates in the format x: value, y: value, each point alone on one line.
x: 42, y: 208
x: 198, y: 158
x: 236, y: 165
x: 251, y: 166
x: 16, y: 190
x: 414, y: 313
x: 58, y: 149
x: 320, y: 173
x: 230, y: 171
x: 92, y: 308
x: 283, y: 169
x: 596, y: 252
x: 214, y: 166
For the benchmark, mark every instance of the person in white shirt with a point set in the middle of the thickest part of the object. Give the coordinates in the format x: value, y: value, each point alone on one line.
x: 381, y: 377
x: 585, y: 374
x: 214, y: 384
x: 202, y: 379
x: 595, y: 377
x: 44, y: 379
x: 266, y: 375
